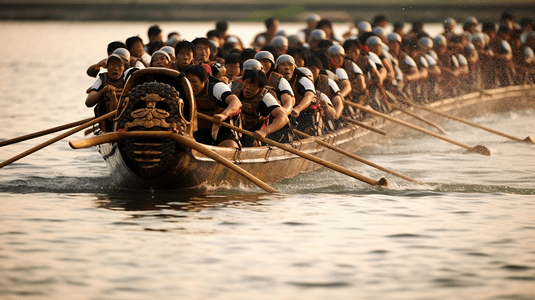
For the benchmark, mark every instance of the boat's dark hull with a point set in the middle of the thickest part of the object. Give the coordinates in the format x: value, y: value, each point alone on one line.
x: 189, y: 168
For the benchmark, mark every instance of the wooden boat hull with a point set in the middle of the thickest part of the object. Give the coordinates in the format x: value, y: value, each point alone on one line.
x: 189, y: 168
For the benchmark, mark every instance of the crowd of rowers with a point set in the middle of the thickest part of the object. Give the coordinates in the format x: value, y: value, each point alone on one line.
x: 281, y: 83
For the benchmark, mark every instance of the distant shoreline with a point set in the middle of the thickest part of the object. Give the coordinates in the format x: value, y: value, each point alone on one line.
x: 255, y: 12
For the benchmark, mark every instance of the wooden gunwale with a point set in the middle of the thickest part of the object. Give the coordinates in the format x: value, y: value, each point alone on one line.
x: 271, y: 164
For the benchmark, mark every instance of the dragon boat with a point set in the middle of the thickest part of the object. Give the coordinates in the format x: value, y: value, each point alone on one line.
x: 156, y: 111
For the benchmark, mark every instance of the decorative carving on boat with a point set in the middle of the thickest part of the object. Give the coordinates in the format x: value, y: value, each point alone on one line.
x: 150, y: 116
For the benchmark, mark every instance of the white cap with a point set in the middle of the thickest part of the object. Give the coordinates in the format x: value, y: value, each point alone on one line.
x: 283, y: 59
x: 170, y: 50
x: 373, y: 41
x: 394, y: 37
x: 307, y: 72
x: 379, y: 31
x: 123, y: 53
x: 232, y: 40
x: 265, y: 54
x: 317, y: 35
x: 336, y: 50
x: 425, y: 43
x: 280, y: 41
x: 115, y: 56
x: 440, y: 41
x: 313, y: 18
x: 449, y: 22
x: 471, y: 20
x: 364, y: 26
x: 252, y: 64
x: 295, y: 38
x: 160, y: 52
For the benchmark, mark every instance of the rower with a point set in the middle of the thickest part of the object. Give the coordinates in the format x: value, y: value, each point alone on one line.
x: 201, y: 52
x: 137, y: 51
x: 94, y: 69
x: 264, y: 38
x: 303, y: 89
x: 312, y: 22
x: 170, y: 51
x: 103, y: 92
x: 334, y: 107
x: 160, y: 59
x: 337, y: 54
x: 215, y: 99
x: 250, y: 64
x: 261, y: 111
x: 353, y: 64
x: 282, y: 87
x: 281, y: 44
x: 232, y: 63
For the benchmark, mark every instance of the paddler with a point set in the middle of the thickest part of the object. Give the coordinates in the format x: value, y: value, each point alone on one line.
x: 213, y: 98
x: 183, y: 55
x: 261, y: 111
x: 303, y: 89
x: 103, y: 91
x: 282, y: 87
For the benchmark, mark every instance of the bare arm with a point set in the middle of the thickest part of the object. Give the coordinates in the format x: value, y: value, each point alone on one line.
x: 233, y: 105
x: 279, y: 120
x: 303, y: 104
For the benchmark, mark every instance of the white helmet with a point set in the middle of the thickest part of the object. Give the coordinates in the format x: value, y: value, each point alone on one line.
x: 313, y: 18
x: 284, y: 59
x: 379, y: 31
x: 170, y: 50
x: 440, y: 41
x: 123, y: 53
x: 265, y: 54
x: 426, y: 43
x: 364, y: 26
x: 373, y: 40
x: 336, y: 50
x: 280, y: 41
x: 317, y: 35
x: 252, y: 64
x: 307, y: 72
x: 450, y: 22
x: 394, y: 37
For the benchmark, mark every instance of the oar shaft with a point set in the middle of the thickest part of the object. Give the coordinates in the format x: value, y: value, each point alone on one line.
x: 60, y: 137
x: 349, y: 120
x: 356, y: 157
x: 302, y: 154
x: 417, y: 117
x: 469, y: 123
x: 401, y: 122
x: 43, y: 132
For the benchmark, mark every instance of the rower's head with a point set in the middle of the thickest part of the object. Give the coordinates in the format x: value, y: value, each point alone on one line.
x: 364, y: 27
x: 232, y: 63
x: 449, y: 24
x: 285, y: 66
x: 197, y: 77
x: 116, y: 66
x: 184, y: 54
x: 272, y: 25
x: 160, y: 59
x: 281, y: 43
x: 314, y: 66
x: 267, y: 60
x: 312, y: 20
x: 170, y: 51
x: 253, y: 82
x: 135, y: 45
x: 252, y: 64
x: 394, y: 43
x: 337, y: 54
x: 202, y: 49
x: 470, y: 24
x: 155, y: 33
x: 299, y: 55
x: 440, y: 44
x: 124, y: 54
x: 352, y: 48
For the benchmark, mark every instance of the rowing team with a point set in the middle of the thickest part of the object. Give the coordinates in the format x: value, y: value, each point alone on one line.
x: 277, y: 86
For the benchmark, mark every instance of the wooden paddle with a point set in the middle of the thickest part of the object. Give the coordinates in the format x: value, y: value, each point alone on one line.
x: 349, y: 154
x: 190, y: 143
x: 43, y: 132
x: 382, y: 181
x: 349, y: 120
x: 477, y: 149
x: 417, y: 117
x: 60, y: 137
x: 529, y: 139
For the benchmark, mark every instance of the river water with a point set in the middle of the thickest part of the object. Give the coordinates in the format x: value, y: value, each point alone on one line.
x: 67, y: 233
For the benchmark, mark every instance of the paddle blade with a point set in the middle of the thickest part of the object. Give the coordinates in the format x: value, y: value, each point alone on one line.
x: 530, y: 139
x: 481, y: 150
x: 383, y: 182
